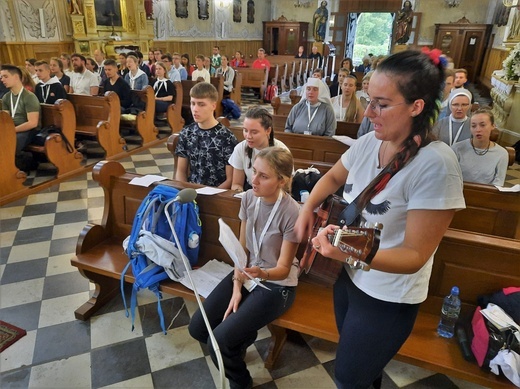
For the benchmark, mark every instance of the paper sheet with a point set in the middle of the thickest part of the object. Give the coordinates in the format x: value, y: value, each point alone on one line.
x: 344, y: 139
x: 515, y: 188
x: 498, y: 317
x: 147, y: 180
x: 207, y: 277
x: 235, y: 250
x: 207, y: 190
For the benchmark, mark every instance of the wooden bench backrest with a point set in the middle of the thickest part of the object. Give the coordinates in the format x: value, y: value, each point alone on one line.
x: 11, y: 178
x: 122, y: 201
x: 174, y: 113
x: 347, y: 128
x: 218, y: 83
x: 253, y: 78
x: 186, y: 88
x: 279, y: 123
x: 477, y: 264
x: 310, y: 148
x: 279, y: 108
x: 60, y: 150
x: 90, y: 110
x: 145, y: 120
x: 236, y: 93
x: 489, y: 211
x: 62, y: 115
x: 147, y: 95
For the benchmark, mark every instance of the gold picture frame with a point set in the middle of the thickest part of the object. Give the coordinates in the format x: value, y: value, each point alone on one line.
x: 103, y: 11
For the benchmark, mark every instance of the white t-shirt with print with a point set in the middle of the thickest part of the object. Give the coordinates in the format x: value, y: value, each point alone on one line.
x: 81, y: 82
x: 432, y: 180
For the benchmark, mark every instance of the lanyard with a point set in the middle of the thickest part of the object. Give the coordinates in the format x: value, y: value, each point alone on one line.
x: 454, y: 140
x: 133, y: 78
x: 45, y: 96
x: 77, y: 82
x: 311, y: 118
x: 258, y: 244
x: 161, y: 83
x: 13, y: 110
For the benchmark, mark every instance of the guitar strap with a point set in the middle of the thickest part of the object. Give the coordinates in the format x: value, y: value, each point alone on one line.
x: 354, y: 209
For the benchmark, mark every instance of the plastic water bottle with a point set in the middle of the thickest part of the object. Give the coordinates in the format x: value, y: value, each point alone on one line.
x: 449, y: 314
x: 304, y: 195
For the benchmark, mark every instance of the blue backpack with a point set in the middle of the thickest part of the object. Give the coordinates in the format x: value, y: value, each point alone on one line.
x: 151, y: 249
x: 231, y: 109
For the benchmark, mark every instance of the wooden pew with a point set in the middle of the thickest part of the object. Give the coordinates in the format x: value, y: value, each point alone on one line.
x: 99, y: 117
x: 144, y: 121
x: 284, y: 79
x: 489, y: 211
x: 495, y: 137
x: 254, y: 78
x: 174, y: 112
x: 99, y: 256
x: 280, y: 108
x: 11, y: 178
x: 273, y: 60
x: 60, y: 114
x: 310, y: 148
x: 218, y: 83
x: 236, y: 94
x: 279, y: 123
x: 490, y: 262
x: 347, y: 128
x: 476, y: 264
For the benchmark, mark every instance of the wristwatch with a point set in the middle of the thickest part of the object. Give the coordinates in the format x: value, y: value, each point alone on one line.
x: 357, y: 264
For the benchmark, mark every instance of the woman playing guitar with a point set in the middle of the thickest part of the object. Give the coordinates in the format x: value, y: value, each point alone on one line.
x: 399, y: 176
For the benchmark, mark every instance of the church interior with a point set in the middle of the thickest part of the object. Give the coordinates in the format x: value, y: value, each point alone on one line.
x: 41, y: 220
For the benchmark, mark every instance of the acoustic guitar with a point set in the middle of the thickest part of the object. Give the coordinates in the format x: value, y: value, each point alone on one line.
x: 360, y: 242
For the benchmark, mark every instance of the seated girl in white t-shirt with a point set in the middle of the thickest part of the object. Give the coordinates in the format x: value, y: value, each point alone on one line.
x: 258, y: 134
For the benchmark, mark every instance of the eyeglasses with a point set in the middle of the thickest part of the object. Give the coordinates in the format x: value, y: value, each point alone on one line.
x: 377, y: 107
x: 457, y: 106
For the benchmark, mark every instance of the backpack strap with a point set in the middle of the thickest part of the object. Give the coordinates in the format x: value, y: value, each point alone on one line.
x: 149, y: 278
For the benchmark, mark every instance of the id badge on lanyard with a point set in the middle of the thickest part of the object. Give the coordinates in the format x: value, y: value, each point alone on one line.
x: 311, y: 118
x: 257, y: 244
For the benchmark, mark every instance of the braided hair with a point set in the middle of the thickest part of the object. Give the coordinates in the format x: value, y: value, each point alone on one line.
x: 266, y: 121
x: 418, y: 76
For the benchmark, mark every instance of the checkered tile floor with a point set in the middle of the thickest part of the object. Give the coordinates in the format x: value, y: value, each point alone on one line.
x: 39, y: 291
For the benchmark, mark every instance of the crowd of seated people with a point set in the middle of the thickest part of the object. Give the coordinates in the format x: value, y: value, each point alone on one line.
x: 317, y: 113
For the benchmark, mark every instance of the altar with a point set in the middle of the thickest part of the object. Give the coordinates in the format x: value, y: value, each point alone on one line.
x: 111, y: 25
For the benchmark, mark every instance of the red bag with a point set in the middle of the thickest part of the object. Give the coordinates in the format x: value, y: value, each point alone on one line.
x: 480, y: 342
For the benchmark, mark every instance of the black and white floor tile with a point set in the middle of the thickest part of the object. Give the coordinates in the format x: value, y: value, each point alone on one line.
x: 39, y: 291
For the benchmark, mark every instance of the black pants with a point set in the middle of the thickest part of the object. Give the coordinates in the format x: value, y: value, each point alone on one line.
x: 257, y: 309
x: 371, y: 333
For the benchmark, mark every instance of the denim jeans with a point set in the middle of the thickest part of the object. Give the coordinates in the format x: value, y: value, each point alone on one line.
x: 371, y: 333
x: 257, y: 309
